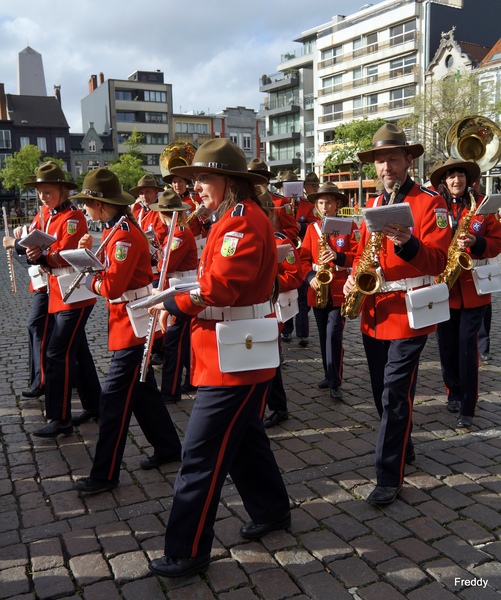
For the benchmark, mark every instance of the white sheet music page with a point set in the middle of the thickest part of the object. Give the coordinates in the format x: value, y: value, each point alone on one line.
x: 38, y: 239
x: 377, y: 218
x: 82, y: 260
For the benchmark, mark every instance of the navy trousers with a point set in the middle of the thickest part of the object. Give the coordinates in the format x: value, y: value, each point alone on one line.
x: 302, y: 324
x: 277, y: 398
x: 393, y: 369
x: 40, y: 325
x: 122, y: 395
x: 484, y: 335
x: 225, y: 434
x: 68, y: 347
x: 458, y: 347
x: 330, y: 325
x: 177, y: 349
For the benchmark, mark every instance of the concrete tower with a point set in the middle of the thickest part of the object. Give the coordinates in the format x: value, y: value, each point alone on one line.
x: 30, y: 76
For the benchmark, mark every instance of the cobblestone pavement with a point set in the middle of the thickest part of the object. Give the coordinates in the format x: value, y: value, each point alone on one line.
x: 442, y: 532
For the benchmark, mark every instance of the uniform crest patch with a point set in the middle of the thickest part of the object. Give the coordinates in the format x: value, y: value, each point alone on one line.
x: 288, y: 209
x: 176, y: 242
x: 71, y: 226
x: 340, y: 242
x: 121, y: 251
x: 291, y: 258
x: 229, y: 246
x: 476, y: 226
x: 441, y: 220
x: 357, y: 235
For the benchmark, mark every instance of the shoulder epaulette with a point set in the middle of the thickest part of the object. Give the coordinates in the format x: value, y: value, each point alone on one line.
x: 124, y: 226
x: 428, y: 191
x: 238, y: 211
x: 181, y: 227
x: 73, y: 207
x: 280, y: 236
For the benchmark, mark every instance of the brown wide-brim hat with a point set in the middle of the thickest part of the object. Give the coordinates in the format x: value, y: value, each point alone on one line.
x: 311, y: 178
x: 148, y: 181
x: 390, y: 136
x: 220, y: 156
x: 258, y: 166
x: 169, y: 201
x: 168, y: 178
x: 455, y: 163
x: 332, y: 190
x: 264, y: 195
x: 50, y: 172
x: 103, y: 185
x: 287, y: 176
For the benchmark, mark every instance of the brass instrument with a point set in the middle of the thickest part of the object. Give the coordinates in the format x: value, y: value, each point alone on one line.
x: 456, y: 259
x: 193, y: 213
x: 177, y: 154
x: 475, y: 138
x: 324, y: 275
x: 10, y: 260
x: 367, y: 279
x: 297, y: 241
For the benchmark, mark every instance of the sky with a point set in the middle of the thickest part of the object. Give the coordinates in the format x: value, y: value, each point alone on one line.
x: 213, y: 52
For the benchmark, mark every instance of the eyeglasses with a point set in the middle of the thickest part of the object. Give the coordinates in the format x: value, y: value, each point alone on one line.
x: 201, y: 179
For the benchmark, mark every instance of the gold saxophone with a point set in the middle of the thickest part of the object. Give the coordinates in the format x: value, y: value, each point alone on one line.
x: 193, y: 213
x: 367, y: 279
x: 456, y: 259
x: 324, y: 275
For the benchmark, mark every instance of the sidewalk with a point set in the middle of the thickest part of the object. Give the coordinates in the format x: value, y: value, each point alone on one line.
x: 443, y: 532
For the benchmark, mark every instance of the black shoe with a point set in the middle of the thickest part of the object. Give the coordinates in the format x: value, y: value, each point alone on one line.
x: 254, y: 531
x: 464, y: 421
x: 410, y: 458
x: 336, y: 393
x: 55, y: 428
x: 285, y: 337
x: 84, y: 416
x: 275, y: 418
x: 171, y: 398
x: 485, y: 356
x: 33, y: 392
x: 384, y: 495
x: 157, y: 359
x: 153, y: 462
x: 453, y: 406
x: 169, y: 566
x: 324, y: 384
x: 303, y: 342
x: 187, y: 388
x: 92, y: 486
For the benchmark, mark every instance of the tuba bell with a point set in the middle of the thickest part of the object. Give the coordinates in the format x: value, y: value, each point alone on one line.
x: 177, y: 154
x: 475, y: 138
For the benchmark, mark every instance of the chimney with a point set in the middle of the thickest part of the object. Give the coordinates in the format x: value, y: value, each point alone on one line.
x: 101, y: 78
x: 92, y: 83
x: 57, y: 93
x: 3, y: 105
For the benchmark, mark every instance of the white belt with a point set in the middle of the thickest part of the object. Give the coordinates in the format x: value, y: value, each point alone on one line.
x: 236, y: 313
x: 62, y: 271
x: 131, y: 295
x: 192, y: 273
x: 480, y: 262
x: 405, y: 285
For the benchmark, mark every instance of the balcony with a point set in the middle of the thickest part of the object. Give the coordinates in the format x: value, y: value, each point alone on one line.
x: 309, y: 128
x: 373, y: 109
x: 277, y: 81
x: 371, y: 80
x: 298, y: 52
x: 282, y: 105
x: 282, y: 132
x: 283, y: 159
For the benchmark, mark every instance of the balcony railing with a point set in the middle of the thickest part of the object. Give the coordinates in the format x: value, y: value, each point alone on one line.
x: 308, y: 101
x: 285, y: 154
x: 370, y: 80
x: 366, y: 110
x: 298, y: 52
x: 281, y: 129
x: 281, y: 77
x: 309, y: 128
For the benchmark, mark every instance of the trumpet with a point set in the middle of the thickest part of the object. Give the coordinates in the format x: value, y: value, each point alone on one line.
x: 10, y: 260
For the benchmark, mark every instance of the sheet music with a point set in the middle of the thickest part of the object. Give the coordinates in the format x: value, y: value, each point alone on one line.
x: 377, y: 218
x: 37, y: 238
x: 163, y: 296
x: 336, y: 226
x: 489, y: 205
x: 82, y: 260
x: 293, y: 188
x: 282, y: 252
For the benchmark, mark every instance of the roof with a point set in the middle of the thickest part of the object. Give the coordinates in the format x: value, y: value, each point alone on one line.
x: 494, y: 56
x: 76, y: 141
x: 476, y: 51
x: 39, y: 111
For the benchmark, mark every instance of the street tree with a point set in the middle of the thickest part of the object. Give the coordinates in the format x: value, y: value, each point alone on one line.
x: 129, y: 170
x: 349, y: 139
x: 19, y: 167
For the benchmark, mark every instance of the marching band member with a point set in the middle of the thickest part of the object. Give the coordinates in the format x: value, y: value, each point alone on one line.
x: 180, y: 187
x: 147, y: 190
x: 128, y: 276
x: 392, y: 347
x: 183, y: 261
x: 338, y: 255
x: 225, y: 433
x: 311, y: 184
x: 68, y: 343
x: 458, y: 337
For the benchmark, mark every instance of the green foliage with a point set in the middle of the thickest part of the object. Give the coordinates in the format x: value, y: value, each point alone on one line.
x: 349, y: 139
x: 19, y: 167
x: 129, y: 170
x: 80, y: 179
x: 442, y: 104
x: 134, y: 144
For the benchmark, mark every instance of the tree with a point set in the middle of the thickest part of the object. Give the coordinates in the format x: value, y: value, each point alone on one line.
x: 129, y: 170
x: 443, y: 103
x: 349, y: 139
x: 134, y: 144
x: 19, y: 167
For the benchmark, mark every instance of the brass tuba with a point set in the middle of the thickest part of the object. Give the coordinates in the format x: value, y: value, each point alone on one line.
x: 177, y: 154
x: 475, y: 138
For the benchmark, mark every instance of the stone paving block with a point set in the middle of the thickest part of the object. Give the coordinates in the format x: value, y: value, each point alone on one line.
x: 105, y: 590
x: 94, y: 519
x: 451, y: 498
x: 493, y: 549
x: 146, y: 527
x: 8, y: 520
x: 115, y: 538
x: 470, y: 470
x: 461, y: 552
x: 145, y: 589
x: 484, y: 515
x: 24, y: 486
x: 298, y: 562
x: 330, y: 491
x: 129, y: 566
x: 67, y: 505
x: 225, y: 574
x: 323, y: 586
x: 350, y: 479
x: 89, y: 568
x: 372, y: 549
x: 301, y: 522
x: 32, y: 500
x: 228, y: 531
x: 388, y: 529
x: 319, y: 508
x: 412, y: 495
x: 80, y: 542
x: 380, y: 591
x: 196, y: 591
x: 253, y: 557
x: 360, y: 510
x: 489, y: 499
x: 470, y: 456
x: 491, y: 572
x: 422, y: 481
x: 137, y: 510
x: 426, y: 528
x: 463, y: 484
x: 475, y: 593
x: 403, y: 574
x: 300, y: 493
x: 471, y: 532
x: 52, y: 583
x: 9, y: 538
x: 13, y: 556
x: 353, y: 572
x: 446, y: 572
x: 14, y: 581
x: 278, y: 540
x: 433, y: 590
x: 37, y: 516
x: 154, y: 547
x: 46, y: 554
x: 416, y: 550
x: 399, y: 511
x: 345, y: 527
x: 326, y: 546
x: 438, y: 512
x: 99, y: 502
x: 246, y: 594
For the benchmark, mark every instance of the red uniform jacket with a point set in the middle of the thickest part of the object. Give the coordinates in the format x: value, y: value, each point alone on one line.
x: 127, y: 260
x: 284, y: 219
x: 344, y: 245
x: 384, y: 316
x: 150, y: 218
x: 290, y: 273
x: 183, y: 254
x: 237, y: 268
x: 487, y: 230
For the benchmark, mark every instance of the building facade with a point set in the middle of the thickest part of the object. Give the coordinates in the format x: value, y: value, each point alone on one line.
x: 89, y: 151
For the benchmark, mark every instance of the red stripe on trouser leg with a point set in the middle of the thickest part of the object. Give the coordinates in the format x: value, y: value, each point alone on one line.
x: 67, y: 388
x: 408, y: 429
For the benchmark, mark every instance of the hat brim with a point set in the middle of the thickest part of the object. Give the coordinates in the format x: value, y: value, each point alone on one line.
x: 190, y: 171
x: 170, y: 177
x: 123, y: 200
x: 137, y: 190
x: 66, y: 184
x: 268, y: 174
x: 344, y: 199
x: 416, y: 150
x: 472, y: 168
x: 164, y: 208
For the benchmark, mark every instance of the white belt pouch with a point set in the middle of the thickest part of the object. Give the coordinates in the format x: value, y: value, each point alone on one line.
x: 427, y: 306
x: 139, y: 319
x: 487, y: 279
x: 38, y: 277
x: 286, y: 306
x: 80, y: 293
x: 247, y: 345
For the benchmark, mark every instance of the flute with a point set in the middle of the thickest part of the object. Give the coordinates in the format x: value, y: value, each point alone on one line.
x: 10, y: 260
x: 74, y: 284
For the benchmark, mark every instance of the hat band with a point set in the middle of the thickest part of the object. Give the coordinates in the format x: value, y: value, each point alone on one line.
x: 216, y: 165
x: 388, y: 143
x: 93, y: 194
x: 51, y: 180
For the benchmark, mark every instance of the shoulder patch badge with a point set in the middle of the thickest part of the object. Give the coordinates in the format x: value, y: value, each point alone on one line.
x: 71, y: 226
x: 357, y: 235
x: 121, y: 250
x: 176, y: 242
x: 288, y: 208
x: 476, y: 226
x: 441, y: 216
x: 340, y: 242
x: 229, y: 246
x: 291, y: 258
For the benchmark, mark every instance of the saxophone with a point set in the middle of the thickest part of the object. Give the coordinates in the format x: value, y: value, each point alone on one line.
x: 367, y: 279
x: 457, y: 260
x: 324, y: 275
x: 193, y: 213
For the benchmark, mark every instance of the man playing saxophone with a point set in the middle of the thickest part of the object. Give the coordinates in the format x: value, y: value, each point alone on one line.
x: 408, y: 258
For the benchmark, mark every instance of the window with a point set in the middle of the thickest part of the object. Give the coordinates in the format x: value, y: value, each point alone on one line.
x: 60, y: 144
x: 155, y: 117
x: 178, y: 127
x: 24, y: 141
x: 357, y: 106
x: 123, y: 95
x: 92, y: 164
x: 402, y: 66
x: 122, y: 137
x: 234, y: 137
x: 152, y: 159
x: 247, y: 142
x: 78, y: 168
x: 127, y: 117
x: 402, y: 33
x: 150, y: 96
x: 156, y: 138
x: 357, y: 47
x: 5, y: 141
x: 42, y: 144
x: 372, y: 74
x: 400, y: 97
x: 2, y: 159
x: 357, y: 77
x: 333, y: 111
x: 205, y: 128
x: 262, y: 147
x: 92, y: 146
x: 332, y: 84
x: 372, y: 103
x: 191, y: 128
x: 331, y: 56
x: 371, y: 42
